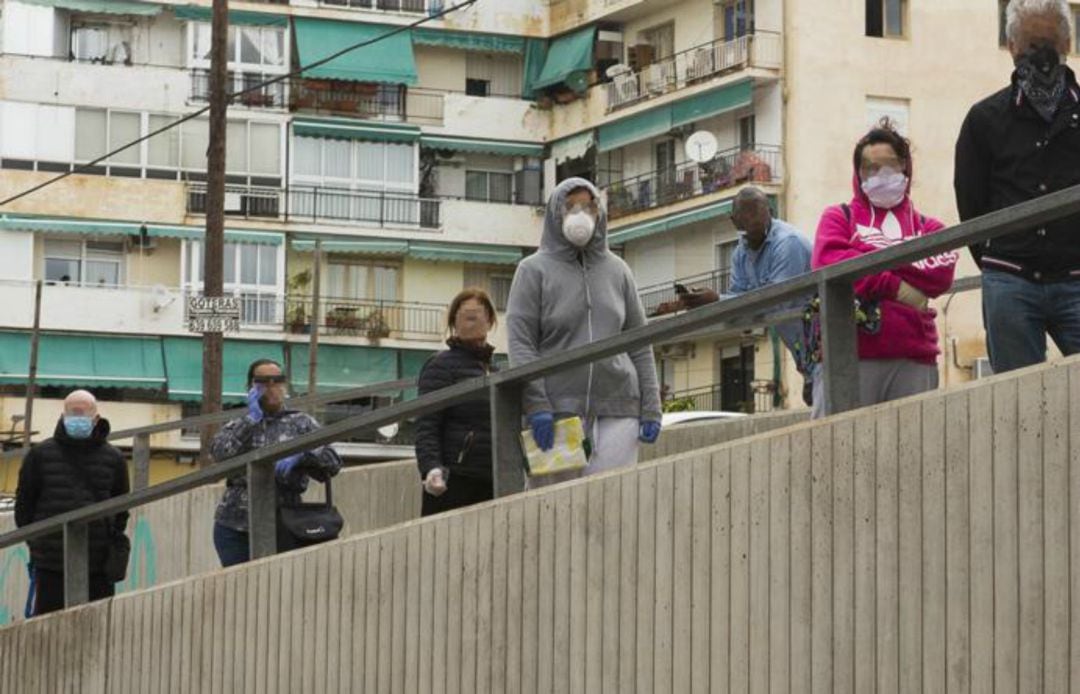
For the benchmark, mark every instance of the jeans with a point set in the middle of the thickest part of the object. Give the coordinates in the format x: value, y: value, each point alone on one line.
x: 1018, y: 314
x: 231, y: 545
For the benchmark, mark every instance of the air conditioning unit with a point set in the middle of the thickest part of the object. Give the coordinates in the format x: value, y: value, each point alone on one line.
x: 981, y: 368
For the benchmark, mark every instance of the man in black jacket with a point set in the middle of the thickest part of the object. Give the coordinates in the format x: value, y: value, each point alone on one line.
x: 55, y: 477
x: 1021, y: 143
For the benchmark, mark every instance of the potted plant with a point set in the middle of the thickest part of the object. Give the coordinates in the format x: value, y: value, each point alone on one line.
x: 296, y: 317
x: 377, y: 326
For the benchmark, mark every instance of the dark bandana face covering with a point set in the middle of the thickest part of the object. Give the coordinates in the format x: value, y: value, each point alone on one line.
x: 1041, y: 77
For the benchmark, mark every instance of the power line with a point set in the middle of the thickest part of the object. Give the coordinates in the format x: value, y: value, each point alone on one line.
x: 80, y: 168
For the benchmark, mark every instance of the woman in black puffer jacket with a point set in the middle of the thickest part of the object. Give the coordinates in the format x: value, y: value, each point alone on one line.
x: 453, y: 446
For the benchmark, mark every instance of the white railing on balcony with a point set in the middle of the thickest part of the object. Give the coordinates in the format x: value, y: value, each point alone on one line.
x: 685, y: 69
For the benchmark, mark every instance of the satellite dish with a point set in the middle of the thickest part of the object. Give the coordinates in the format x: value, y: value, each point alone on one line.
x: 163, y: 298
x: 702, y: 146
x: 389, y: 431
x: 616, y: 70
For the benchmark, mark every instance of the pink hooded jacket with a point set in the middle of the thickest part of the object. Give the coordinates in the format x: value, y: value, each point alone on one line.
x: 906, y: 332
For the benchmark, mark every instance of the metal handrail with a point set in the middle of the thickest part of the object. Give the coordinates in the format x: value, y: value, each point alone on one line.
x: 834, y: 285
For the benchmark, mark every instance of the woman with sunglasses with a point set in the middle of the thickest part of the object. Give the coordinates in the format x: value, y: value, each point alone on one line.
x: 268, y: 421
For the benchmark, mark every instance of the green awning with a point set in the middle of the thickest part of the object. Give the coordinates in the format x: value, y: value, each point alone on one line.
x: 412, y: 361
x: 535, y: 57
x: 144, y: 9
x: 468, y: 41
x: 184, y: 364
x: 480, y: 146
x: 656, y: 226
x: 657, y: 121
x: 462, y: 253
x: 363, y: 247
x: 388, y: 60
x: 569, y: 59
x: 341, y: 366
x: 712, y: 103
x: 63, y: 225
x: 642, y: 126
x: 197, y: 234
x: 197, y: 13
x: 350, y: 129
x: 88, y: 361
x: 573, y: 147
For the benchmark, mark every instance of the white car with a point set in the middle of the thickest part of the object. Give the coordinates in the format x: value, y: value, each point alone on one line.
x: 671, y: 418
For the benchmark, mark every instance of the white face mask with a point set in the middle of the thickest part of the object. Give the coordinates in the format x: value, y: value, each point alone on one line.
x: 578, y: 228
x: 886, y: 189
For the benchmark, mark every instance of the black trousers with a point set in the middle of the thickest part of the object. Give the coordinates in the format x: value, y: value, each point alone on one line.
x: 49, y: 590
x: 460, y: 491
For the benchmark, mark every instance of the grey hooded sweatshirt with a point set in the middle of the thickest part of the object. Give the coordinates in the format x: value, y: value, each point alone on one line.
x: 564, y: 297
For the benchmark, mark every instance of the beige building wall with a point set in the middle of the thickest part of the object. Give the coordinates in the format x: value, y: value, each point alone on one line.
x: 96, y: 197
x: 949, y: 60
x: 440, y: 68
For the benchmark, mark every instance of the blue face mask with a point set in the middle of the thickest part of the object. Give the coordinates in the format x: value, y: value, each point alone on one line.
x: 78, y: 427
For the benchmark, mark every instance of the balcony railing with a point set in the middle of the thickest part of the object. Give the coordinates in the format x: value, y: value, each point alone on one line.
x: 371, y: 318
x: 711, y: 399
x: 367, y: 102
x: 267, y: 96
x: 417, y: 6
x: 316, y: 204
x: 666, y: 186
x: 694, y: 66
x: 655, y: 297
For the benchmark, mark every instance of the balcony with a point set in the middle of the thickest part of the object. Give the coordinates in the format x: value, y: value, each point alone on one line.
x: 728, y: 169
x: 370, y: 318
x: 693, y: 67
x: 414, y: 6
x: 662, y: 299
x: 760, y: 398
x: 367, y: 102
x: 268, y: 96
x: 315, y: 205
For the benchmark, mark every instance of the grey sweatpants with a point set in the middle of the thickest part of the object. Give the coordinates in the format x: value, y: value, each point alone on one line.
x: 882, y: 380
x: 614, y: 445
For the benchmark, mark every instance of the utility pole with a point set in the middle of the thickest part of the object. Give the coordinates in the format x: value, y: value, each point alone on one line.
x: 313, y: 345
x: 31, y: 374
x: 214, y: 243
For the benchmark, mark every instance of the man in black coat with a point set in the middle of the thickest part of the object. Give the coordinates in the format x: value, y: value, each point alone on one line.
x: 1016, y: 145
x: 75, y: 468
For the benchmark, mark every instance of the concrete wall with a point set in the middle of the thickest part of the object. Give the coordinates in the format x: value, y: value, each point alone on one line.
x: 926, y: 541
x: 97, y: 197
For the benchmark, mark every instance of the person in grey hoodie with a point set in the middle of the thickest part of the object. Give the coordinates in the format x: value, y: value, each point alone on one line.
x: 571, y: 292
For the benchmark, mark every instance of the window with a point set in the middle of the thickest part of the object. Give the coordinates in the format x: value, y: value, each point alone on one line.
x: 662, y: 40
x: 251, y: 271
x: 493, y: 74
x: 100, y: 43
x: 738, y: 18
x: 494, y: 280
x: 609, y: 167
x: 724, y: 253
x: 252, y: 48
x: 896, y: 110
x: 357, y: 279
x: 87, y: 263
x: 747, y: 132
x: 488, y: 186
x: 885, y: 18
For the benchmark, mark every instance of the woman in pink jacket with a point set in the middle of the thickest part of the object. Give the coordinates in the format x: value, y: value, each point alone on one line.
x: 899, y: 358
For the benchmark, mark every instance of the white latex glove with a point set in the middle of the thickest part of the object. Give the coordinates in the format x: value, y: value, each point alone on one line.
x: 911, y: 296
x: 435, y: 483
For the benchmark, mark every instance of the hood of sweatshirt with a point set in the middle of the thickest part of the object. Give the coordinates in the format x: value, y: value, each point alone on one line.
x: 554, y: 242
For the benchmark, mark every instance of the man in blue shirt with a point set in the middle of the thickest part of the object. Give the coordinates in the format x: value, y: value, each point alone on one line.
x: 769, y: 251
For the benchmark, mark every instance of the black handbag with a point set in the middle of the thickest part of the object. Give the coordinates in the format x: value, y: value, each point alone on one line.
x: 306, y: 524
x: 118, y: 551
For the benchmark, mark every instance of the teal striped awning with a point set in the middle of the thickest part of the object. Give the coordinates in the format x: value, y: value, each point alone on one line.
x: 198, y: 13
x: 468, y: 41
x: 350, y: 129
x: 198, y: 233
x: 656, y: 226
x: 63, y: 225
x: 365, y: 247
x: 184, y: 366
x: 482, y: 146
x: 657, y: 121
x: 388, y: 60
x: 88, y: 361
x: 121, y: 7
x: 465, y: 253
x: 343, y: 366
x: 569, y: 59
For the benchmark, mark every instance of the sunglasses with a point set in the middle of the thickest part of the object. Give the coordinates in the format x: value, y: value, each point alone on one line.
x: 267, y: 380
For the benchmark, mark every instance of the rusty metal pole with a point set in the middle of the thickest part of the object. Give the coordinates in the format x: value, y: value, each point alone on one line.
x: 313, y: 346
x: 31, y: 374
x: 214, y: 243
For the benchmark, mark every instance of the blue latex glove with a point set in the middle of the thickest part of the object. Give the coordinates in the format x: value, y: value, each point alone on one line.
x: 543, y: 429
x: 650, y: 431
x: 255, y: 413
x: 287, y: 471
